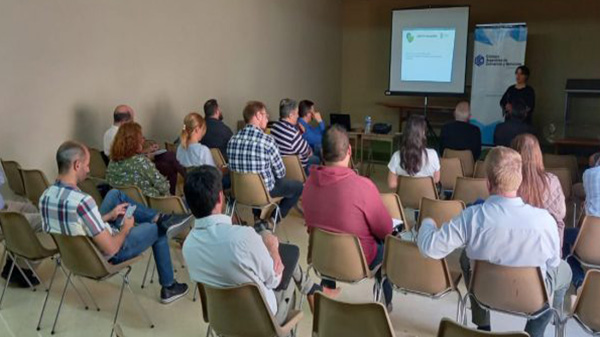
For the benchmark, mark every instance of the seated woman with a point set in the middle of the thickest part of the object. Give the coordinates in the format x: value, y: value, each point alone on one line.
x: 129, y: 166
x: 190, y: 153
x: 414, y: 159
x: 539, y: 188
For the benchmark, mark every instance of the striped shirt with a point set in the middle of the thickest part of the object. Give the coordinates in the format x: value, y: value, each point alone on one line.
x: 253, y: 151
x: 290, y: 141
x: 68, y: 211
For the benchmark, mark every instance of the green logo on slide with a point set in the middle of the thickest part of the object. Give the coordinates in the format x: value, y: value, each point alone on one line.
x: 410, y: 37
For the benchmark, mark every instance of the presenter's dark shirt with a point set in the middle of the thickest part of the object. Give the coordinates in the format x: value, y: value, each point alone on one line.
x: 217, y: 136
x: 458, y: 135
x: 524, y: 96
x: 507, y: 131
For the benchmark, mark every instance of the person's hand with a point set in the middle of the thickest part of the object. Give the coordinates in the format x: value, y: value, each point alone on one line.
x: 277, y: 264
x: 301, y: 128
x: 117, y: 211
x: 317, y: 116
x: 127, y: 224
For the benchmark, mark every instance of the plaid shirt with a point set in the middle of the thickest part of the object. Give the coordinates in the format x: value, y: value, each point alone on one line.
x: 68, y: 211
x: 252, y: 150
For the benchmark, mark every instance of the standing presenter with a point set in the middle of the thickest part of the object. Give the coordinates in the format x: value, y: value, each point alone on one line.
x: 519, y: 93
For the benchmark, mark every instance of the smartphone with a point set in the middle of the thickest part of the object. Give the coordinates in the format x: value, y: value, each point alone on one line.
x: 128, y: 214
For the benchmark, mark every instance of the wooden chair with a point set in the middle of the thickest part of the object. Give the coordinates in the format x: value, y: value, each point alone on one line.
x: 334, y: 318
x: 480, y: 169
x: 449, y: 328
x: 392, y: 203
x: 218, y: 157
x: 410, y: 272
x: 586, y: 249
x: 35, y: 183
x: 469, y: 190
x: 441, y: 211
x: 465, y: 157
x: 412, y: 189
x: 567, y: 161
x: 293, y: 168
x: 249, y: 190
x: 133, y: 192
x: 564, y: 176
x: 242, y: 311
x: 97, y: 164
x: 12, y: 172
x: 88, y: 186
x: 450, y: 169
x: 587, y: 306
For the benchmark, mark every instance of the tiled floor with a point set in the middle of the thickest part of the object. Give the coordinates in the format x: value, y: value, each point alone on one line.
x: 412, y: 315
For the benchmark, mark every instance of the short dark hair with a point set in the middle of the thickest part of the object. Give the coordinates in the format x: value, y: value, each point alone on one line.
x: 251, y: 109
x: 286, y: 106
x: 201, y: 189
x: 67, y: 153
x: 119, y: 117
x: 304, y: 107
x: 210, y: 107
x: 335, y: 144
x: 524, y: 70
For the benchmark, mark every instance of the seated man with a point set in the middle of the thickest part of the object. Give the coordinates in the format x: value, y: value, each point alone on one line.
x: 460, y: 134
x: 512, y: 127
x: 220, y: 254
x: 337, y: 199
x: 122, y: 114
x: 252, y: 150
x: 503, y: 230
x: 288, y: 137
x: 218, y: 133
x: 312, y: 134
x: 66, y: 210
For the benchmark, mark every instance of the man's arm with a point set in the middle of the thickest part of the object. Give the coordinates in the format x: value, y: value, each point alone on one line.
x: 109, y: 244
x: 276, y: 161
x: 438, y: 243
x: 262, y: 263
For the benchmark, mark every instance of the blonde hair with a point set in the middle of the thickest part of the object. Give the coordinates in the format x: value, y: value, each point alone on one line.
x: 192, y: 121
x: 504, y: 169
x: 535, y: 181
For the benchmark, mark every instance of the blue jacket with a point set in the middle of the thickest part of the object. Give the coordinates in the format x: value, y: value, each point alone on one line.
x: 313, y: 134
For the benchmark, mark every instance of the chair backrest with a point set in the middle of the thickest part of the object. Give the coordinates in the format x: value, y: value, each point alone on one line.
x: 97, y: 164
x: 449, y: 328
x: 465, y: 157
x: 80, y: 255
x: 12, y: 172
x: 335, y: 318
x: 170, y: 147
x: 412, y: 189
x: 439, y: 210
x: 237, y: 311
x: 406, y: 268
x: 392, y: 203
x: 88, y: 186
x: 564, y: 176
x: 509, y: 289
x: 20, y: 238
x: 587, y: 305
x: 293, y: 168
x: 566, y: 161
x: 450, y: 169
x: 218, y: 157
x: 337, y: 256
x: 134, y: 193
x: 168, y: 205
x: 35, y: 183
x: 469, y: 190
x: 249, y: 189
x: 586, y: 247
x: 480, y: 169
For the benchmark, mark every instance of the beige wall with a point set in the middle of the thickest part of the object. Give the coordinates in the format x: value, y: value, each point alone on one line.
x: 66, y: 64
x: 563, y: 42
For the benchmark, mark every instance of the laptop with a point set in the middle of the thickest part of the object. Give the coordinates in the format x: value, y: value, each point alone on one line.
x: 340, y: 119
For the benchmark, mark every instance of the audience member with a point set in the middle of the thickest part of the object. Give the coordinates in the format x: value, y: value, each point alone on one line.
x: 288, y: 137
x: 460, y: 134
x: 220, y: 254
x: 539, y: 188
x: 217, y: 133
x: 122, y: 114
x: 414, y: 159
x: 66, y: 210
x: 252, y: 150
x: 505, y: 231
x: 337, y: 199
x: 515, y: 125
x: 313, y: 134
x: 129, y: 166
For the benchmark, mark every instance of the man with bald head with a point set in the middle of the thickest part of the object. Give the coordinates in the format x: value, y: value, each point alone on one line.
x: 122, y: 114
x: 460, y: 134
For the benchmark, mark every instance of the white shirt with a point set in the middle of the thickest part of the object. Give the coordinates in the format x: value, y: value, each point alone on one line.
x: 503, y: 231
x: 220, y: 254
x: 430, y: 165
x: 195, y: 155
x: 109, y: 137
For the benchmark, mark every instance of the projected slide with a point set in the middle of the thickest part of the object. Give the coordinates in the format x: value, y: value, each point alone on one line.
x: 427, y: 54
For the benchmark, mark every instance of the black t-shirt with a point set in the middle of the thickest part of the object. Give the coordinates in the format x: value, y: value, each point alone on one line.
x: 458, y: 135
x: 524, y: 96
x: 507, y: 131
x: 217, y: 135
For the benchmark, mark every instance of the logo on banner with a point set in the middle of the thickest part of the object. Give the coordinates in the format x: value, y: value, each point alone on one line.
x: 410, y: 37
x: 479, y: 60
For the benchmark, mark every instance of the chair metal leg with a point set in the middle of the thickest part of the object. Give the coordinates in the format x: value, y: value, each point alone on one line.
x: 15, y: 258
x: 35, y: 273
x: 208, y: 331
x: 7, y: 281
x: 57, y: 263
x: 459, y: 306
x: 89, y: 293
x: 152, y: 274
x: 195, y: 294
x: 147, y: 268
x: 137, y: 302
x: 62, y: 299
x: 112, y: 331
x: 75, y: 288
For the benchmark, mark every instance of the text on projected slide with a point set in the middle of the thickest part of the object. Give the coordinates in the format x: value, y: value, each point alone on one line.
x: 427, y: 54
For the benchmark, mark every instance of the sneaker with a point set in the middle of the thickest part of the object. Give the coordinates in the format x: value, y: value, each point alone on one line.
x: 172, y: 223
x: 173, y: 293
x: 260, y: 226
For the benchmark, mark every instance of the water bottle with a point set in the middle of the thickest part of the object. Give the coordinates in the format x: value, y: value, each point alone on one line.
x: 367, y: 125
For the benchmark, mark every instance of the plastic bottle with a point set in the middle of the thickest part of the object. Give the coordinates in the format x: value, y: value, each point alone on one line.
x: 368, y: 125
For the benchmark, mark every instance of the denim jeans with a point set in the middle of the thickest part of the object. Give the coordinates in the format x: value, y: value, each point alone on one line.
x: 313, y: 160
x: 290, y: 190
x: 578, y: 272
x: 143, y: 235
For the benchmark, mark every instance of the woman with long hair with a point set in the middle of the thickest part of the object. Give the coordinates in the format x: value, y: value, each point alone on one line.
x: 414, y: 159
x: 190, y: 152
x: 539, y: 188
x: 129, y: 166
